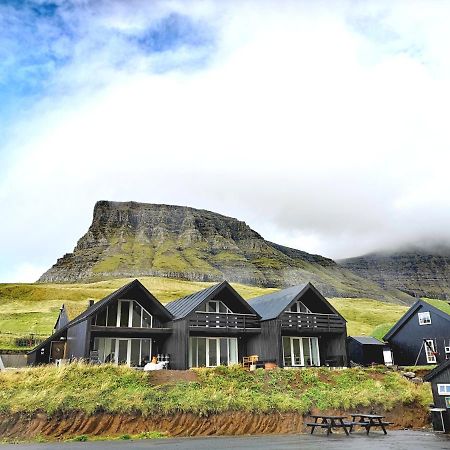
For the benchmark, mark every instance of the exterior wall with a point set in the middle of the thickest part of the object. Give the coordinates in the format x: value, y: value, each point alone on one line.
x: 78, y: 340
x: 177, y: 345
x: 442, y: 378
x: 406, y: 343
x: 62, y: 319
x: 365, y: 354
x: 267, y: 345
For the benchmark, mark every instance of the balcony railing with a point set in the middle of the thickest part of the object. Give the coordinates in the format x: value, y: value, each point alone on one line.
x: 312, y: 322
x: 201, y: 319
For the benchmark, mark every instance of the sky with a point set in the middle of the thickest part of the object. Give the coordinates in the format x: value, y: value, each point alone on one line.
x: 323, y: 125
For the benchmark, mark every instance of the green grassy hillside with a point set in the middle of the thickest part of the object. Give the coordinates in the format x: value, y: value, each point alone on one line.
x: 33, y: 308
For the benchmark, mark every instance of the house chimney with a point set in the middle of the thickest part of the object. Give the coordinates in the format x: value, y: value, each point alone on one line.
x: 90, y: 303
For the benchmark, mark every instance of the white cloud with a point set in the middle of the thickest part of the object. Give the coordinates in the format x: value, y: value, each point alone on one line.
x: 321, y: 136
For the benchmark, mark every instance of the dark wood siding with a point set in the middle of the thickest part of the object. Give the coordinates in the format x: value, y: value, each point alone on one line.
x: 78, y: 337
x: 177, y: 345
x: 407, y: 342
x: 442, y: 378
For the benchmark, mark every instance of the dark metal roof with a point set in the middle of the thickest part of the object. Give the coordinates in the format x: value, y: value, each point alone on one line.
x: 89, y: 312
x: 270, y: 306
x: 437, y: 370
x: 410, y: 312
x: 181, y: 307
x: 367, y: 340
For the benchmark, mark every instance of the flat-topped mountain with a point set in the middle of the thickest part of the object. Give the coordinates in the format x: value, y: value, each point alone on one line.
x: 129, y: 239
x: 417, y: 271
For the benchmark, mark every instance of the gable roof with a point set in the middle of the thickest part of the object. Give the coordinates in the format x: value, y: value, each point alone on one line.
x: 366, y: 340
x: 411, y: 311
x: 437, y: 370
x: 92, y: 310
x: 181, y: 307
x: 270, y: 306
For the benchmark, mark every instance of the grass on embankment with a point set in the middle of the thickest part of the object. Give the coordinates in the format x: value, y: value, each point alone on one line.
x: 116, y: 389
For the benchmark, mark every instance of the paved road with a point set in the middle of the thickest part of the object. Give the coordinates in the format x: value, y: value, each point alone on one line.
x: 395, y: 440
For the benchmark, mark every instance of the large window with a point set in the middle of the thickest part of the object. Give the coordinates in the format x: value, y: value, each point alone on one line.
x: 299, y: 307
x: 217, y: 306
x: 424, y: 318
x: 132, y: 352
x: 211, y: 352
x: 300, y: 351
x: 124, y: 313
x: 430, y: 351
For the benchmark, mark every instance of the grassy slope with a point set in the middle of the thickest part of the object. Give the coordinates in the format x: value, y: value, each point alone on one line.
x: 33, y: 308
x: 123, y: 390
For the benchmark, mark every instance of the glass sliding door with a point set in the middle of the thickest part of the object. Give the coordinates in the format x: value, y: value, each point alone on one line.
x: 132, y: 352
x: 211, y: 352
x: 300, y: 351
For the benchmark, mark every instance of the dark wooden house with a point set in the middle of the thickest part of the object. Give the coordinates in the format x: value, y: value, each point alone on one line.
x: 211, y: 327
x: 422, y: 335
x: 440, y: 386
x: 299, y: 328
x: 365, y: 350
x: 126, y: 327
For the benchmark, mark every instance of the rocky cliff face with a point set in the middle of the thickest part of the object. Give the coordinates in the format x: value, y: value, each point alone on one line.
x: 418, y: 272
x: 136, y: 239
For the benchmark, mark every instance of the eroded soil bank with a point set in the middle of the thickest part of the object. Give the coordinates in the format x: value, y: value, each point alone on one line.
x: 23, y: 426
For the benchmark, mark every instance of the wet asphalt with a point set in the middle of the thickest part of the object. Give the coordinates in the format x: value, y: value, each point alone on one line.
x: 395, y: 440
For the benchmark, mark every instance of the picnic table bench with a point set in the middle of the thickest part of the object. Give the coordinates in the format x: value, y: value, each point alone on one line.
x: 368, y: 421
x: 328, y: 422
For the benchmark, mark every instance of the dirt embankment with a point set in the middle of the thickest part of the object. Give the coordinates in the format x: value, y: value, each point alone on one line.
x: 23, y: 426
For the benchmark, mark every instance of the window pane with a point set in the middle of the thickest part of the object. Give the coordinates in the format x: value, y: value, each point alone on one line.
x: 135, y: 352
x: 211, y: 306
x: 223, y: 351
x: 222, y: 308
x: 315, y: 352
x: 201, y: 344
x: 146, y: 352
x: 287, y: 351
x: 297, y: 357
x: 192, y: 352
x: 101, y: 318
x: 112, y: 314
x: 136, y: 319
x: 124, y: 313
x: 146, y: 319
x: 212, y: 346
x: 232, y: 351
x: 306, y: 352
x: 110, y: 351
x: 123, y: 350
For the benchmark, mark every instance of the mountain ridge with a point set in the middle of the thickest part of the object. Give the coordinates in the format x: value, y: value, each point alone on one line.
x: 142, y: 239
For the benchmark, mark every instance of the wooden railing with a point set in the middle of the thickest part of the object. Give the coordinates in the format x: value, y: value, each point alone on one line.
x: 203, y: 319
x: 312, y: 321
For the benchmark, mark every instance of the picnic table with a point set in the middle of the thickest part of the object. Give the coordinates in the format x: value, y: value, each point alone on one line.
x: 368, y: 421
x: 328, y: 422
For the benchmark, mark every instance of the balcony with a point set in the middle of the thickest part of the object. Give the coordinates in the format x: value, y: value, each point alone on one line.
x: 218, y: 321
x: 314, y: 322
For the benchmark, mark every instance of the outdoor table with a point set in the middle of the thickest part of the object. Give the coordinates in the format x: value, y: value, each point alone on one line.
x: 369, y: 420
x: 328, y: 422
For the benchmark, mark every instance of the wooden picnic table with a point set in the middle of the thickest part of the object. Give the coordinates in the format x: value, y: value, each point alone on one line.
x: 368, y: 421
x: 328, y: 422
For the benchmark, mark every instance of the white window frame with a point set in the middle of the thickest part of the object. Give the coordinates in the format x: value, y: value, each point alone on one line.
x: 424, y: 318
x: 217, y: 304
x: 116, y: 348
x: 443, y: 389
x: 299, y: 304
x: 217, y: 340
x: 308, y: 340
x: 429, y: 349
x: 130, y: 314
